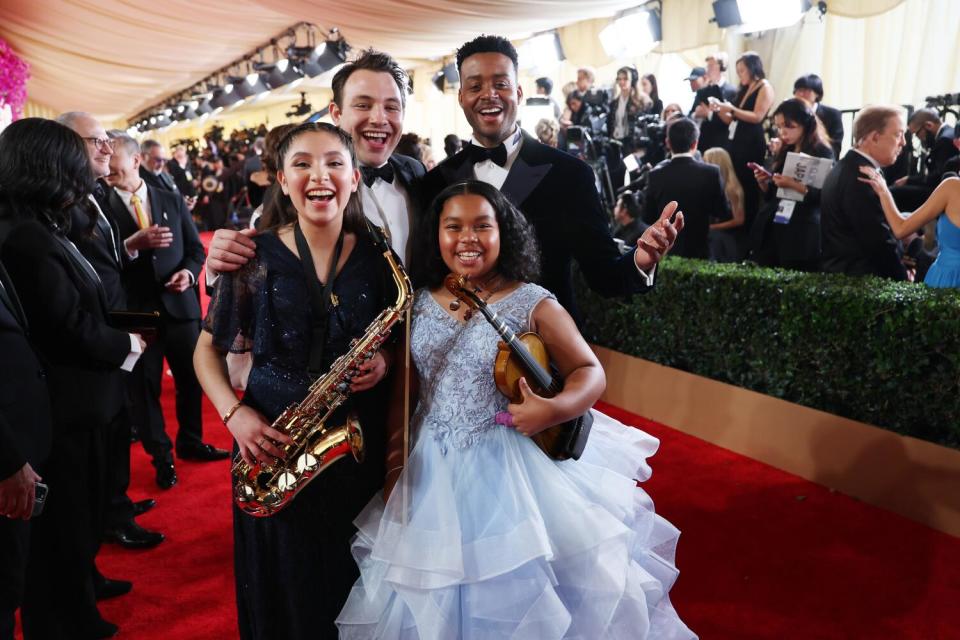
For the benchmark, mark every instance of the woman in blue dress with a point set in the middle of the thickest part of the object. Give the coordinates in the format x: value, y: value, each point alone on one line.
x: 294, y: 569
x: 481, y: 534
x: 943, y: 205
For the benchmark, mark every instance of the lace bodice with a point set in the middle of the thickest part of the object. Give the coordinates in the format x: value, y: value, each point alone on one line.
x: 458, y: 398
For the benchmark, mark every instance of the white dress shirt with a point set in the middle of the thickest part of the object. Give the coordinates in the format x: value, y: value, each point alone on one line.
x: 489, y: 171
x: 387, y: 205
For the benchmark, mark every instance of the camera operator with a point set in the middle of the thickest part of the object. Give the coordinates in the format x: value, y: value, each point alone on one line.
x: 695, y: 185
x: 937, y: 138
x: 627, y: 103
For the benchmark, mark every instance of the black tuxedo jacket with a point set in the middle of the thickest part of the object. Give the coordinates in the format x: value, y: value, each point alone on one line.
x: 409, y: 172
x: 833, y: 123
x: 163, y: 181
x: 713, y: 131
x: 102, y: 247
x: 698, y: 189
x: 144, y: 277
x: 180, y: 179
x: 24, y: 401
x: 855, y: 236
x: 67, y: 310
x: 557, y: 194
x: 937, y: 158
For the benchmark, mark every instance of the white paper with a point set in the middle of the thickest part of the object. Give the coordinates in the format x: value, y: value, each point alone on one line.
x: 805, y: 169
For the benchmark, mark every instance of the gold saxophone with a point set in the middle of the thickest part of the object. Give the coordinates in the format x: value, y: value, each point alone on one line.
x: 264, y: 489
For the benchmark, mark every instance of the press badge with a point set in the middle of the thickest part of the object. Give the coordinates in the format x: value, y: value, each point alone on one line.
x: 733, y: 129
x: 784, y: 211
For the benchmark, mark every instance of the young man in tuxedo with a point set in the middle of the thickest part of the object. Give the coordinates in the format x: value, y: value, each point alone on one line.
x: 553, y: 189
x: 809, y: 88
x: 161, y: 279
x: 25, y: 436
x: 369, y: 98
x: 108, y: 256
x: 695, y: 185
x: 856, y: 238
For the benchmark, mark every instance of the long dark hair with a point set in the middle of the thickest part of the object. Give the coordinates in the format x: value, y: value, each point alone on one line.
x: 655, y: 92
x: 44, y: 171
x: 751, y: 60
x: 281, y: 210
x: 519, y: 253
x: 813, y: 138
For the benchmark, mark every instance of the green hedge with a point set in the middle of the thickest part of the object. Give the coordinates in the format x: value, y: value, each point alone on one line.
x: 873, y: 350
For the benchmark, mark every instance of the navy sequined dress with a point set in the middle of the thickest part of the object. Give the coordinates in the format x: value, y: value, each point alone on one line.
x: 294, y: 569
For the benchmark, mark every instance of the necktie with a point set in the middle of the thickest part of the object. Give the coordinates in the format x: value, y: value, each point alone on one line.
x: 138, y: 211
x: 497, y: 155
x: 370, y: 174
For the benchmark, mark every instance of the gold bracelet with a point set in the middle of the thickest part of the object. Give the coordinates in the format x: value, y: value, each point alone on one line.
x: 233, y: 410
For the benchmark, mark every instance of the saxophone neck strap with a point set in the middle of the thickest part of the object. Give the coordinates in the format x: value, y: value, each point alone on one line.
x: 320, y: 298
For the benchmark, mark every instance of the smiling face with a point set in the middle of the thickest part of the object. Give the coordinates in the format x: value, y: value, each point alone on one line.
x: 319, y: 177
x: 469, y: 236
x: 124, y: 169
x: 372, y: 112
x: 90, y: 130
x: 489, y: 95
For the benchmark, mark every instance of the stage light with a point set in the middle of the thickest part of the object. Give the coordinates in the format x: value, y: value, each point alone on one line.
x: 318, y: 59
x: 751, y: 16
x: 224, y: 97
x: 541, y: 51
x: 447, y: 76
x: 632, y: 34
x: 279, y: 73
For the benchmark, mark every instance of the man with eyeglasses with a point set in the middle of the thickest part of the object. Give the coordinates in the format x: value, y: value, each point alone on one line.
x: 109, y: 256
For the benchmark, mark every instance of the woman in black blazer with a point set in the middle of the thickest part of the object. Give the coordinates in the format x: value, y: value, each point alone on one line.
x: 44, y: 174
x: 794, y: 244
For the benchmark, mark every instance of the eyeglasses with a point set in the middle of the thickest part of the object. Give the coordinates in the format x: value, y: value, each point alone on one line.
x: 104, y: 144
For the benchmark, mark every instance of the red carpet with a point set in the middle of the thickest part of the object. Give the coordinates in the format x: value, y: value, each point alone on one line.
x: 763, y: 554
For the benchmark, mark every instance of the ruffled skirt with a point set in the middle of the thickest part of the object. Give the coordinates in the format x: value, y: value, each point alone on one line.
x: 496, y: 540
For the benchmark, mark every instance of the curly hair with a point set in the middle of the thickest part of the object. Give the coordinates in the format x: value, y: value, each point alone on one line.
x: 488, y: 44
x: 282, y: 212
x: 44, y: 171
x: 519, y: 252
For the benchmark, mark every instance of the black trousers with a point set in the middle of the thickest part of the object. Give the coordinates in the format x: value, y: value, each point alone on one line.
x: 176, y: 342
x: 59, y: 600
x: 119, y: 507
x: 14, y: 548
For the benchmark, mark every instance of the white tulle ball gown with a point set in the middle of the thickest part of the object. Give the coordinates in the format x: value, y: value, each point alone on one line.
x: 485, y: 537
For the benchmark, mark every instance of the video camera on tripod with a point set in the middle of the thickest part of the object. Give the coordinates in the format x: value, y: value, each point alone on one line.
x: 650, y: 135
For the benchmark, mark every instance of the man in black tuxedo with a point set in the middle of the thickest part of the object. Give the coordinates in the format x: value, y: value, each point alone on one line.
x: 161, y: 279
x: 153, y: 167
x: 553, y: 189
x: 713, y: 131
x: 809, y: 88
x: 856, y: 238
x: 25, y: 435
x: 369, y: 97
x: 107, y: 255
x: 695, y: 185
x: 178, y: 167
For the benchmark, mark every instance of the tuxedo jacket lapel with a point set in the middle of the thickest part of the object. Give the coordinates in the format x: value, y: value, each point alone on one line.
x: 524, y: 174
x: 8, y: 296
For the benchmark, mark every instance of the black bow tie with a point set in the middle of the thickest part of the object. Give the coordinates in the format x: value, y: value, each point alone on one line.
x: 497, y: 155
x: 370, y: 174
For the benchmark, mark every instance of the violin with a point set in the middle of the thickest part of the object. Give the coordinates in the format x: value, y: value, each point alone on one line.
x: 525, y: 355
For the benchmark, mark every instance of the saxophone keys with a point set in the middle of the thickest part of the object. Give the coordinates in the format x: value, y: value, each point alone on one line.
x: 307, y: 463
x: 286, y: 481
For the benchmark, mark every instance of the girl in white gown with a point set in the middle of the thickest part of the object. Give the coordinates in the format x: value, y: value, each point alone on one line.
x: 482, y: 535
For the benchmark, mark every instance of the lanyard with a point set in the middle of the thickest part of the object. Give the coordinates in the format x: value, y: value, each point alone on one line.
x: 320, y: 299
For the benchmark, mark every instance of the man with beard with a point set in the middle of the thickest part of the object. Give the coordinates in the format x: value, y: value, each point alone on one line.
x: 554, y: 190
x: 936, y: 137
x: 369, y: 98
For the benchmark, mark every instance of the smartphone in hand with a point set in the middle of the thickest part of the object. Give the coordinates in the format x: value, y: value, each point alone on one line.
x: 756, y: 167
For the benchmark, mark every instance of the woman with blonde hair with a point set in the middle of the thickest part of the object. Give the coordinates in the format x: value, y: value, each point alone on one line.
x: 726, y: 238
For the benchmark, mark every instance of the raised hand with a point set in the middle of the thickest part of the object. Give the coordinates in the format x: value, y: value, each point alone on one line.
x: 659, y: 237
